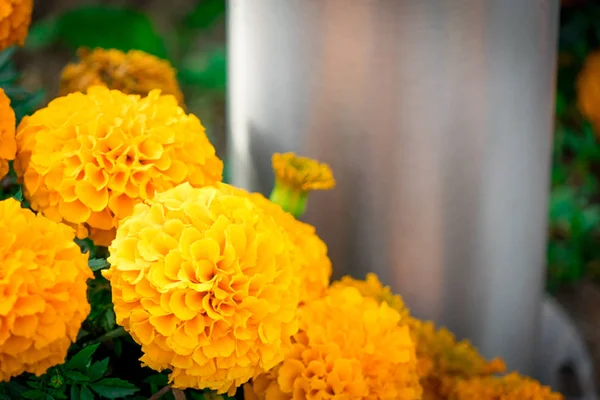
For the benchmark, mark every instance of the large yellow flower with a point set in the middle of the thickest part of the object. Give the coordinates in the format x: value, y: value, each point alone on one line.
x: 588, y: 90
x: 443, y: 360
x: 8, y: 145
x: 509, y: 387
x: 310, y: 251
x: 134, y: 72
x: 207, y: 284
x: 348, y: 347
x: 87, y: 159
x: 15, y: 16
x: 43, y: 291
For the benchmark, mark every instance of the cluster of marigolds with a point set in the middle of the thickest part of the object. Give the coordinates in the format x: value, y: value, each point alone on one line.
x: 224, y: 288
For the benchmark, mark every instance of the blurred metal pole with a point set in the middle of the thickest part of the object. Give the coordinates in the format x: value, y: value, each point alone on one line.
x: 436, y: 117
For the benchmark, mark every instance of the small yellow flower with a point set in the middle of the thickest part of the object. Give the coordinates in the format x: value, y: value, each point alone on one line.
x: 588, y: 90
x: 88, y: 159
x: 302, y: 173
x: 310, y: 251
x: 8, y: 145
x: 348, y: 347
x: 43, y: 291
x: 134, y: 72
x: 15, y: 17
x: 295, y: 177
x: 207, y: 284
x: 509, y: 387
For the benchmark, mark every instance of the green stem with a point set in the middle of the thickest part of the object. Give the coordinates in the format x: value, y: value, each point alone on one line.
x: 290, y: 199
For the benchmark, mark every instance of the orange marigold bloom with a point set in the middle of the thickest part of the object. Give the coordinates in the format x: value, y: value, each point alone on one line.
x: 134, y: 72
x: 449, y: 360
x: 509, y: 387
x: 442, y: 360
x: 8, y: 145
x: 206, y: 283
x: 310, y: 251
x: 348, y: 347
x: 43, y: 291
x: 15, y: 16
x: 588, y: 90
x: 87, y: 159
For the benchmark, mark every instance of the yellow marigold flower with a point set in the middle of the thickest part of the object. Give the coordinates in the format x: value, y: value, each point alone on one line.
x: 588, y: 90
x: 43, y: 291
x: 8, y: 145
x: 296, y: 176
x: 206, y: 283
x: 442, y: 360
x: 310, y: 251
x: 134, y: 72
x: 88, y: 159
x: 509, y: 387
x: 15, y: 16
x: 373, y: 288
x: 348, y: 347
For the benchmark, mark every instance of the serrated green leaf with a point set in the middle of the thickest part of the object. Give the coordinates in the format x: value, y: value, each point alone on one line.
x: 109, y: 27
x: 33, y: 394
x: 97, y: 370
x: 85, y: 394
x: 82, y: 359
x: 97, y: 264
x: 76, y: 376
x: 113, y: 388
x: 57, y: 394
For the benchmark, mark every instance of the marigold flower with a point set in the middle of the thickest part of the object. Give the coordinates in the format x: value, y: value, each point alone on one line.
x: 296, y: 176
x: 588, y: 90
x: 88, y: 159
x: 8, y: 145
x: 134, y: 72
x: 348, y: 347
x: 43, y: 291
x: 15, y: 16
x: 206, y: 283
x: 509, y: 387
x: 373, y: 288
x: 442, y: 360
x: 449, y: 361
x: 310, y: 251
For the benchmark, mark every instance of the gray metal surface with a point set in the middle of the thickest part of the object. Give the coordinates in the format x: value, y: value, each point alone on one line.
x: 436, y: 116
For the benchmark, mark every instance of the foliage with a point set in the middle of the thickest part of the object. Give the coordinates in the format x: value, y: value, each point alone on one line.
x: 574, y: 209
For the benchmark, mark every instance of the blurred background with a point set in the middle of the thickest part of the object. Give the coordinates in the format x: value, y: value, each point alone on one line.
x: 191, y: 35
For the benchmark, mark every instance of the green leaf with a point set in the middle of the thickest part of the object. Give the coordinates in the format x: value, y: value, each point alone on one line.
x: 76, y: 376
x: 33, y: 394
x: 100, y: 26
x: 42, y: 34
x: 97, y: 264
x: 206, y: 14
x: 6, y: 56
x: 86, y: 394
x: 82, y: 359
x: 97, y: 370
x: 19, y: 195
x: 113, y: 388
x: 75, y: 393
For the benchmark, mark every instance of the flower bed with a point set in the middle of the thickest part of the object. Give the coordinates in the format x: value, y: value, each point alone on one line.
x: 128, y: 269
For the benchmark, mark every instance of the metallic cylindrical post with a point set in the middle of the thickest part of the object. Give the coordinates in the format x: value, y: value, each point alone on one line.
x: 436, y: 117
